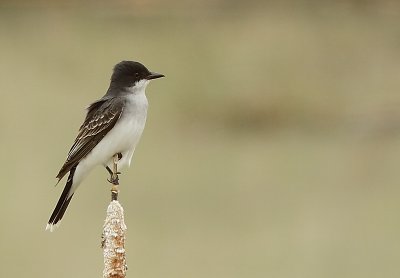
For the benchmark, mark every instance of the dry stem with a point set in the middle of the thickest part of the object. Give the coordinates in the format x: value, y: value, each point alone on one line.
x: 113, y: 242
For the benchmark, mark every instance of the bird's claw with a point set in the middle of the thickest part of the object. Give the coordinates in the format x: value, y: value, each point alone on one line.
x: 114, y: 180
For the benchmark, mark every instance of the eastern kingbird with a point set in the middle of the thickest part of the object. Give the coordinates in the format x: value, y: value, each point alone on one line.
x: 113, y: 125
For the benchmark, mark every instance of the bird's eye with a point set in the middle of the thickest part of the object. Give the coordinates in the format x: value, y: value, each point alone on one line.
x: 137, y: 74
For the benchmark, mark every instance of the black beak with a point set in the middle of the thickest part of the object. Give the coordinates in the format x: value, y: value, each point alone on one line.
x: 154, y: 75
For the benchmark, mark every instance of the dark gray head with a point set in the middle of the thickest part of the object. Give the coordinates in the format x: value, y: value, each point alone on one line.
x: 127, y: 73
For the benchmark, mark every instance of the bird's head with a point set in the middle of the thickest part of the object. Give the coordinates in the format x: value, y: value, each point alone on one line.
x: 128, y: 74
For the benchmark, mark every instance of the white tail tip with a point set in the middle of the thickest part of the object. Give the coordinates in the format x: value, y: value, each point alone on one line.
x: 52, y: 227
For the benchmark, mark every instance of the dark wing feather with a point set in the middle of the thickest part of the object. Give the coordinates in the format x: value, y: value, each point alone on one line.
x: 100, y: 119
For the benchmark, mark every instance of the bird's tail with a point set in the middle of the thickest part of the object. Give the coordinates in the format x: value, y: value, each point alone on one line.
x: 62, y: 203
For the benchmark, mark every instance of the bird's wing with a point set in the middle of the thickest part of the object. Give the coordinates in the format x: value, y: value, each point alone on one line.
x: 100, y: 119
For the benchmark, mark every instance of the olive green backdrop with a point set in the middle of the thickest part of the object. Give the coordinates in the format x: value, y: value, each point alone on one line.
x: 271, y: 149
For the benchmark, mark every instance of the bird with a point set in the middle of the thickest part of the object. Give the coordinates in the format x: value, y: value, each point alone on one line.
x: 113, y: 126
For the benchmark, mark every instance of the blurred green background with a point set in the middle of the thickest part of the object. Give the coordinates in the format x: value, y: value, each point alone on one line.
x: 272, y: 147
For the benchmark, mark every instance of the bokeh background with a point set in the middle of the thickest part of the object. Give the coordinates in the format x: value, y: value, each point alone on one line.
x: 272, y: 147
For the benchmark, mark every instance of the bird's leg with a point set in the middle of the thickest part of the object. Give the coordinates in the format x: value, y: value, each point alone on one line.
x: 114, y: 172
x: 111, y: 172
x: 114, y: 180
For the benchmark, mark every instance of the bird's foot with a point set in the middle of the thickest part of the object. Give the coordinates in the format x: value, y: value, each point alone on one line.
x: 114, y: 179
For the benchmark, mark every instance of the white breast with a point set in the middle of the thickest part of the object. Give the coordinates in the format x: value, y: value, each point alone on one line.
x: 129, y: 128
x: 122, y: 138
x: 126, y: 133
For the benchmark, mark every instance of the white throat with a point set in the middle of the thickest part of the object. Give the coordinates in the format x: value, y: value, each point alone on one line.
x: 139, y: 87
